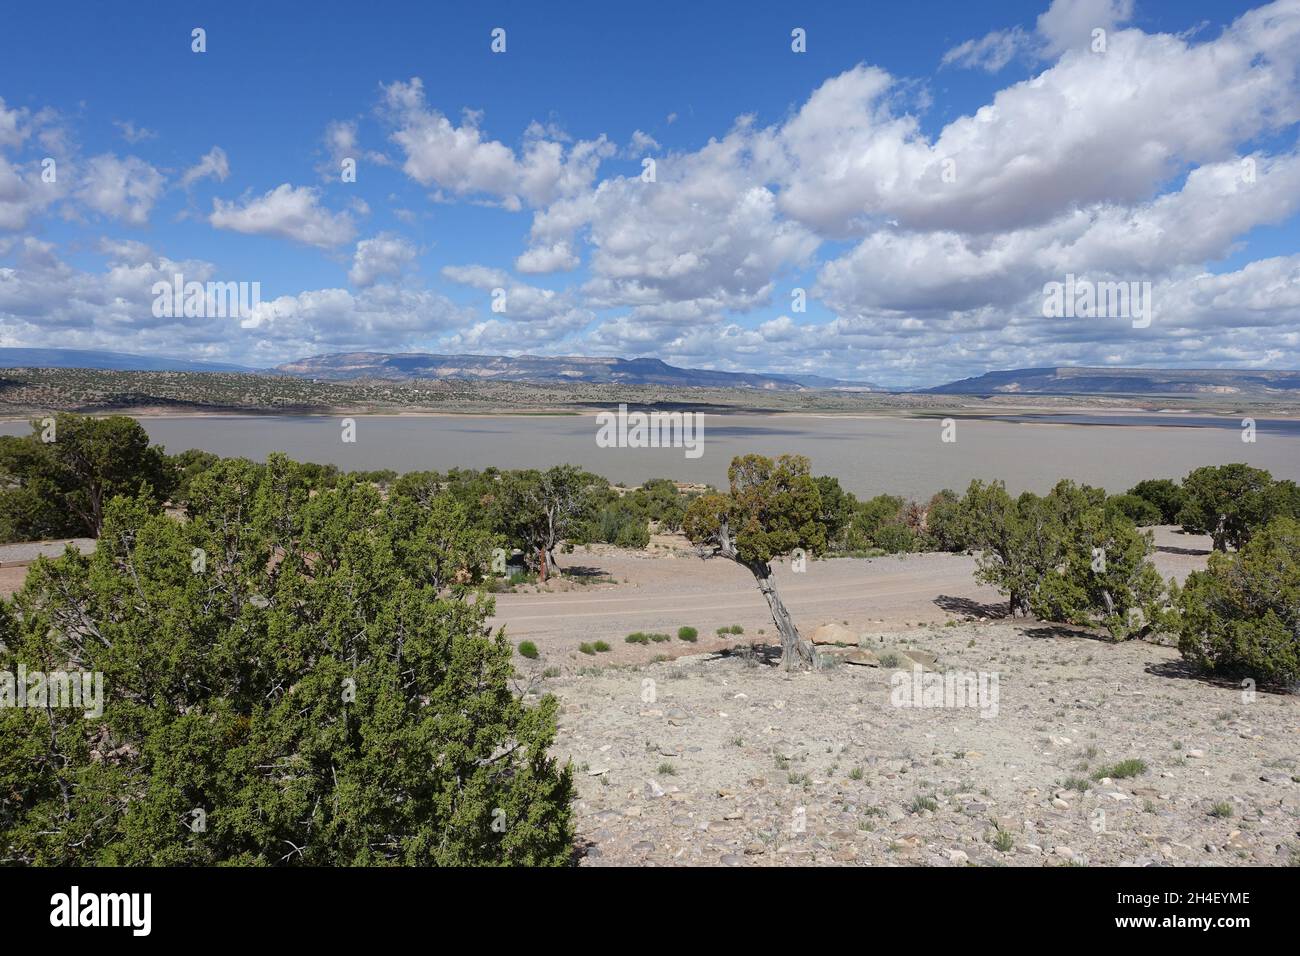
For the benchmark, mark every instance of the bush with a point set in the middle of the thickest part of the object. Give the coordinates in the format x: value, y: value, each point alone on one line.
x: 330, y: 709
x: 1167, y: 497
x: 528, y: 649
x: 1241, y: 616
x: 637, y: 638
x: 1132, y: 767
x: 586, y: 648
x: 893, y: 538
x: 687, y: 634
x: 1138, y: 510
x: 1227, y: 502
x: 601, y: 646
x: 945, y: 523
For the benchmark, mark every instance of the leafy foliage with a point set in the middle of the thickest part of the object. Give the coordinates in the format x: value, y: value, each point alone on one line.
x: 1241, y: 616
x: 280, y: 663
x: 1228, y: 501
x: 59, y: 480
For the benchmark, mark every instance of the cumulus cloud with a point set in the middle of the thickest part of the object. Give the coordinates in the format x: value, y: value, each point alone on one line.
x: 924, y: 247
x: 461, y: 159
x: 46, y: 301
x: 288, y: 212
x: 124, y: 189
x: 383, y: 255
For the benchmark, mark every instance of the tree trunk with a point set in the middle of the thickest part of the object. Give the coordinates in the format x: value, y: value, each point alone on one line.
x: 795, y: 651
x: 541, y: 564
x: 1019, y: 605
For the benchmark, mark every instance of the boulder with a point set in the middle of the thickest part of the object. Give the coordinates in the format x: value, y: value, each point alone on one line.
x: 834, y: 634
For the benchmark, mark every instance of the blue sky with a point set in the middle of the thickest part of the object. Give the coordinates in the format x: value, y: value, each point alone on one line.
x: 775, y: 171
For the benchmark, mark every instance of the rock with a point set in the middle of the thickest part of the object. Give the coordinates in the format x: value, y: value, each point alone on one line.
x: 845, y: 854
x: 1060, y: 804
x: 1196, y: 754
x: 653, y: 790
x: 834, y: 634
x: 1064, y: 852
x: 958, y: 857
x: 861, y: 658
x: 924, y: 658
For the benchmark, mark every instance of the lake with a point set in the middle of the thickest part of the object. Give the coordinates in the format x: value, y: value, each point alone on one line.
x: 870, y: 455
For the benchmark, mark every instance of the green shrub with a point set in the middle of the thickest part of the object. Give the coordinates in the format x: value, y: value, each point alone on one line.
x: 331, y: 709
x: 1138, y: 510
x: 893, y: 538
x: 528, y: 649
x: 1241, y: 616
x: 586, y: 648
x: 687, y: 634
x: 1167, y: 497
x: 1131, y: 767
x: 601, y: 646
x: 660, y: 638
x: 637, y: 638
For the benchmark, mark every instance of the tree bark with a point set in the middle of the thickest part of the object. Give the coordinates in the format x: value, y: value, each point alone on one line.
x: 795, y: 651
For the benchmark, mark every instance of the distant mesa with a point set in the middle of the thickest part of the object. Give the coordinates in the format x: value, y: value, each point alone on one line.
x: 547, y: 368
x: 108, y: 361
x: 1070, y: 380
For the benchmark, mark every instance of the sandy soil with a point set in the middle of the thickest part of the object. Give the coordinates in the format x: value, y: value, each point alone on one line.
x: 662, y: 590
x: 715, y: 759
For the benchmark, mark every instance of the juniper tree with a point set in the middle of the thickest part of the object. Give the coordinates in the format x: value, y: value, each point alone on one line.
x: 276, y: 668
x: 772, y: 508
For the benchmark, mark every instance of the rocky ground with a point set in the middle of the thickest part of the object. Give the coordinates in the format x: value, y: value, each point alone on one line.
x: 721, y: 758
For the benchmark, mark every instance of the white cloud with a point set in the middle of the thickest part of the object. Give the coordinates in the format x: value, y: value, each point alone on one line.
x: 12, y: 132
x: 462, y: 160
x: 214, y: 164
x: 134, y: 134
x: 383, y: 255
x: 1068, y: 24
x: 288, y: 212
x: 556, y: 257
x: 124, y: 189
x: 991, y: 52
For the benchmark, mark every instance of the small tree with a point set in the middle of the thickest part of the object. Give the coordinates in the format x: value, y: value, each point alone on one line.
x: 1164, y: 494
x: 1241, y: 616
x: 546, y: 508
x: 1014, y: 537
x: 773, y: 507
x: 70, y: 473
x: 1104, y: 576
x: 1226, y: 502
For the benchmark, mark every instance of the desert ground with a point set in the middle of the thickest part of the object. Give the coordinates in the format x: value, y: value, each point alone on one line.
x: 708, y: 753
